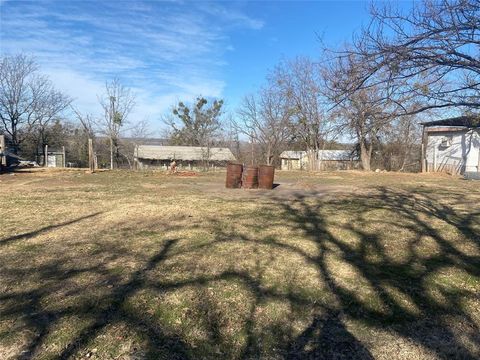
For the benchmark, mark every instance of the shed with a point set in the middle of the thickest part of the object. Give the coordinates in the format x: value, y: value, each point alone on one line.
x: 327, y: 160
x: 292, y: 160
x: 451, y: 145
x: 55, y: 158
x: 148, y: 156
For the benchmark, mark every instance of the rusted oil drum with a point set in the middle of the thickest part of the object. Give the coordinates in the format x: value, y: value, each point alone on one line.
x: 266, y: 174
x: 234, y: 176
x: 250, y: 177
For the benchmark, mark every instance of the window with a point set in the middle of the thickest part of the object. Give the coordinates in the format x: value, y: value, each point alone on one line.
x: 446, y: 142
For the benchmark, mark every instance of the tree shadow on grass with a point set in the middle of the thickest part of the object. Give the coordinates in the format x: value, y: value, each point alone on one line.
x: 360, y: 243
x: 410, y: 278
x: 45, y: 229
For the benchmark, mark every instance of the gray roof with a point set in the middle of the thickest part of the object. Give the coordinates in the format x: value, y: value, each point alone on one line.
x: 187, y: 153
x: 469, y: 121
x: 289, y: 154
x: 333, y: 155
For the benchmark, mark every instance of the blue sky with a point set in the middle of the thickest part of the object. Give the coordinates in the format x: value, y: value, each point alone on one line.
x: 170, y: 51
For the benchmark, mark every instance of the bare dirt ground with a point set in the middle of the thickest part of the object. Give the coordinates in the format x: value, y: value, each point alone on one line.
x: 340, y: 265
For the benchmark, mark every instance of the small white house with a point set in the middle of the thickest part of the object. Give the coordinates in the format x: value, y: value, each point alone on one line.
x: 451, y: 145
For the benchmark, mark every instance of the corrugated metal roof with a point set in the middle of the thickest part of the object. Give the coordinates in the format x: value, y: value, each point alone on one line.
x: 289, y: 154
x: 186, y: 153
x: 333, y: 155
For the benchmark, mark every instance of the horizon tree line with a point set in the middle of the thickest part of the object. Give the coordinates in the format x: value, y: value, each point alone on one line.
x: 402, y: 66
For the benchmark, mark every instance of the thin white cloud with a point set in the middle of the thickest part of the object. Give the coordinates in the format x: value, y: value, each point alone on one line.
x: 165, y: 51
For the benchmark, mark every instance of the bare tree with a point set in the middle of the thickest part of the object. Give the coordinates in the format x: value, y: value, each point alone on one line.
x: 433, y: 48
x: 28, y: 100
x: 88, y: 133
x: 117, y: 103
x: 266, y: 120
x: 87, y: 122
x: 364, y: 112
x: 400, y: 148
x: 141, y: 130
x: 138, y: 134
x: 300, y: 83
x: 232, y: 137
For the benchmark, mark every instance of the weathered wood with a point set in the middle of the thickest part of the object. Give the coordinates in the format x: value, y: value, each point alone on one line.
x: 478, y: 165
x: 3, y: 149
x: 63, y: 158
x: 91, y: 161
x: 45, y: 158
x: 422, y: 157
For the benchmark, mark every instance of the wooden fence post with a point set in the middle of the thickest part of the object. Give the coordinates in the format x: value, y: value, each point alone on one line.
x: 478, y: 162
x: 45, y: 157
x: 3, y: 150
x: 63, y: 158
x: 91, y: 161
x: 423, y: 159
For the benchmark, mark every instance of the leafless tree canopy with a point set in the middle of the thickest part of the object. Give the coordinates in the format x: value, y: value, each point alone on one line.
x: 117, y: 102
x: 406, y: 61
x: 367, y: 112
x: 28, y: 101
x: 265, y: 118
x: 300, y: 81
x: 434, y: 49
x: 87, y: 122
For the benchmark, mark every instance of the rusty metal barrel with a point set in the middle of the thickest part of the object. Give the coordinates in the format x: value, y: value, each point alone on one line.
x: 250, y: 177
x: 234, y: 176
x: 266, y: 174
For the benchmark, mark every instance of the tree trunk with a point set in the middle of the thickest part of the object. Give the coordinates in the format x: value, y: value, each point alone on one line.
x: 405, y: 147
x: 365, y: 155
x: 111, y: 153
x: 14, y: 140
x: 117, y: 153
x: 268, y: 155
x: 253, y: 151
x: 311, y: 159
x: 320, y: 159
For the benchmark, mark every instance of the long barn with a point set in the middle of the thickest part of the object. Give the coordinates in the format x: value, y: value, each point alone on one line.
x: 156, y: 156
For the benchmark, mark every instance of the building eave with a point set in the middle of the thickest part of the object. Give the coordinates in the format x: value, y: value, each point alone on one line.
x: 467, y: 121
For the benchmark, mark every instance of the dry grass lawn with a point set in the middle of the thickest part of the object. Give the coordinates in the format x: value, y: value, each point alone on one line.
x: 124, y: 265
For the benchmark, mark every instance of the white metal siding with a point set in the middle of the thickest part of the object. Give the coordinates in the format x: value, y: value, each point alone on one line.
x: 473, y: 161
x: 462, y: 153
